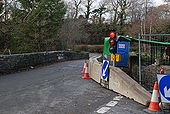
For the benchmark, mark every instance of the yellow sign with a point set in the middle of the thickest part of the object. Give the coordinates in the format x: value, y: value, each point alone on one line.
x: 118, y: 57
x: 113, y: 57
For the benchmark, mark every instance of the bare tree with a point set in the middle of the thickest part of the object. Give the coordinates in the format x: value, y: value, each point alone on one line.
x: 124, y: 4
x: 70, y: 9
x: 100, y: 11
x: 119, y: 8
x: 88, y: 6
x: 73, y: 8
x: 1, y: 9
x: 75, y: 33
x: 134, y: 11
x: 6, y: 10
x: 166, y: 0
x: 76, y: 7
x: 115, y: 7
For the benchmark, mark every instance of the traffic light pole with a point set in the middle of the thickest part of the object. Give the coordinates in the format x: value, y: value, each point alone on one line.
x: 113, y: 47
x: 114, y: 60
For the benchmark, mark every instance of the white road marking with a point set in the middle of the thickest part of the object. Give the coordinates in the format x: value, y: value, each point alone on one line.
x: 117, y: 98
x: 112, y: 103
x: 103, y: 110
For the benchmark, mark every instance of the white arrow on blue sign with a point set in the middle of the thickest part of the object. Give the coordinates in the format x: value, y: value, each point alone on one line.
x: 164, y: 87
x: 105, y: 69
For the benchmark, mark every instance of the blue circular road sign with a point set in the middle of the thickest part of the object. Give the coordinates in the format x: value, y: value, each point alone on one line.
x: 164, y: 86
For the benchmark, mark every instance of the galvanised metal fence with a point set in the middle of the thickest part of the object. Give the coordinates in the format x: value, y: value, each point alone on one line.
x: 154, y: 53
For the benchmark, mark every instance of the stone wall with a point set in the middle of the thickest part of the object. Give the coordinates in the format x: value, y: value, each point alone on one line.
x: 149, y: 74
x: 15, y: 62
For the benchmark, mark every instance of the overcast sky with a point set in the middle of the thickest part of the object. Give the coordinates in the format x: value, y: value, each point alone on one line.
x: 158, y: 2
x: 155, y: 2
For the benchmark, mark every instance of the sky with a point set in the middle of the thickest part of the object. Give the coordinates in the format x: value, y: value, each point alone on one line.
x: 158, y: 2
x: 155, y: 2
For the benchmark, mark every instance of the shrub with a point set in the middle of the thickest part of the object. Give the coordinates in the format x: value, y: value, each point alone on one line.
x: 90, y: 48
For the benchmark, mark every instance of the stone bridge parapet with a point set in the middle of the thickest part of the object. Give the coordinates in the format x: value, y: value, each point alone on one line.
x: 9, y: 63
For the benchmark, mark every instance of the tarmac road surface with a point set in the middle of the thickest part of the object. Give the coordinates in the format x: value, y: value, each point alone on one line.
x: 59, y: 89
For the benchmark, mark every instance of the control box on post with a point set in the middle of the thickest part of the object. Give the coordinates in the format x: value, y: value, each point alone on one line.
x: 123, y: 50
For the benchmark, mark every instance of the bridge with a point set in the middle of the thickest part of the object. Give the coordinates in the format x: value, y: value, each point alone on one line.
x: 59, y: 89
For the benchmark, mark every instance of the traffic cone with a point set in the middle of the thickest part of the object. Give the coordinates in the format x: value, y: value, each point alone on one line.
x: 86, y: 74
x: 162, y: 71
x: 154, y: 104
x: 159, y: 96
x: 84, y: 68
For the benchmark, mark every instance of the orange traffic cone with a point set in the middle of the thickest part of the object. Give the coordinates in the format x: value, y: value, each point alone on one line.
x: 162, y: 71
x: 84, y: 68
x: 159, y: 96
x: 86, y: 74
x: 154, y: 104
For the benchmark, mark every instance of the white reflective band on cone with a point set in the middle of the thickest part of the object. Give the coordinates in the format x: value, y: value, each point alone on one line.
x: 84, y: 65
x: 86, y: 71
x: 155, y: 96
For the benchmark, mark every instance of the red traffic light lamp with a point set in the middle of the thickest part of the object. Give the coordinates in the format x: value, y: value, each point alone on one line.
x: 112, y: 42
x: 112, y: 34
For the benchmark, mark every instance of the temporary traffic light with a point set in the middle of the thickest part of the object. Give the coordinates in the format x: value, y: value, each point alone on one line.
x: 112, y: 35
x: 113, y: 43
x: 167, y: 51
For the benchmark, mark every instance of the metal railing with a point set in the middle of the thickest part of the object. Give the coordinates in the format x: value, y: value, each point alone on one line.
x: 153, y: 52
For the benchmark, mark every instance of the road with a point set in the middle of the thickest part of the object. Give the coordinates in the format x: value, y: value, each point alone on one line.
x: 59, y: 89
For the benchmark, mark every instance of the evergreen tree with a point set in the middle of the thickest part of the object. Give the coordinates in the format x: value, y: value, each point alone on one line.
x: 35, y: 23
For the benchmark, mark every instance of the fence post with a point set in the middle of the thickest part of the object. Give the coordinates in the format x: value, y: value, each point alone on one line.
x: 140, y: 76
